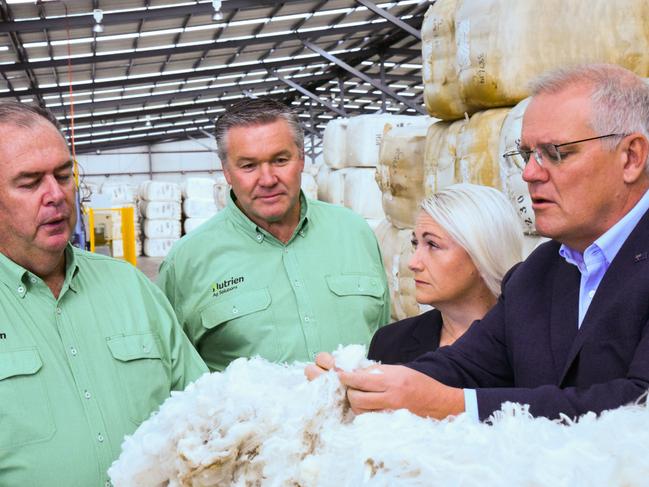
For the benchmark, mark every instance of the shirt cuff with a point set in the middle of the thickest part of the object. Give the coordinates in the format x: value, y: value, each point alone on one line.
x: 471, y: 404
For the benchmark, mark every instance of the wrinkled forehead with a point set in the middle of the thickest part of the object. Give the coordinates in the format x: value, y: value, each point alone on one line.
x: 555, y: 117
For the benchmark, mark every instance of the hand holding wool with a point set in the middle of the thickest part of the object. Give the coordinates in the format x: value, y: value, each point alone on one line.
x: 391, y: 387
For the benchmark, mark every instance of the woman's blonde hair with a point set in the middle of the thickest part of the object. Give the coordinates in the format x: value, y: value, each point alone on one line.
x: 484, y: 223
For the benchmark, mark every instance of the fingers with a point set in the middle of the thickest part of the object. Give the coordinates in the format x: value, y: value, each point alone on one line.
x: 325, y: 361
x: 312, y: 371
x: 365, y: 402
x: 367, y: 380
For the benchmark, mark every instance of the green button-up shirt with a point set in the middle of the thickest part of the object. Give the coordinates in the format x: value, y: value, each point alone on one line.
x: 238, y: 291
x: 79, y: 372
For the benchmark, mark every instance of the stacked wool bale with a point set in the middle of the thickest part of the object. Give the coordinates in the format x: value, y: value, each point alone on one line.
x: 264, y: 424
x: 478, y: 86
x: 123, y: 195
x: 160, y: 206
x: 221, y: 190
x: 199, y: 202
x: 351, y: 153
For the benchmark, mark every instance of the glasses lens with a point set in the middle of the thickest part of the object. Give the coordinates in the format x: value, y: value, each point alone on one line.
x: 549, y: 152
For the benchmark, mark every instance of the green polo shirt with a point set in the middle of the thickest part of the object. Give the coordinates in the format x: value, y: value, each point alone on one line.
x: 240, y: 292
x: 79, y: 372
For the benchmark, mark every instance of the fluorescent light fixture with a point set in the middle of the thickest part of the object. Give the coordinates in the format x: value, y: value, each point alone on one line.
x: 98, y: 15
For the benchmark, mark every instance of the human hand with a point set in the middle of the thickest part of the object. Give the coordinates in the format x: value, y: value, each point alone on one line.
x: 324, y: 362
x: 390, y: 387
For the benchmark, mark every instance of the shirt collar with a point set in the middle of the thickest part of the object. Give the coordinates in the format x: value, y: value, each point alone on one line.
x: 16, y: 277
x: 259, y: 234
x: 612, y: 240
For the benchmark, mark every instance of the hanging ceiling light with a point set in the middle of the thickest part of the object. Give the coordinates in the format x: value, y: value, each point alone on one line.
x: 218, y: 15
x: 98, y: 15
x: 147, y: 122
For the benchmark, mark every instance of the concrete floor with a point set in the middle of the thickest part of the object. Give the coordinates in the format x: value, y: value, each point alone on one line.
x: 149, y: 265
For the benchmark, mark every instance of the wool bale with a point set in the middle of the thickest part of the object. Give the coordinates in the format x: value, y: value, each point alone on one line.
x: 159, y: 191
x: 335, y: 186
x: 400, y: 174
x: 396, y: 250
x: 477, y: 148
x: 361, y: 193
x: 192, y: 223
x: 439, y: 69
x: 198, y: 188
x: 161, y: 228
x: 441, y: 155
x: 199, y: 208
x: 334, y: 143
x: 503, y: 44
x: 158, y: 247
x: 221, y: 191
x: 510, y: 174
x: 365, y: 132
x: 169, y: 210
x: 309, y: 185
x: 120, y: 193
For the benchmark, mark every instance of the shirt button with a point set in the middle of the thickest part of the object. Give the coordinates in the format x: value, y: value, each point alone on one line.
x: 73, y: 350
x: 297, y: 283
x: 108, y: 484
x: 286, y: 251
x: 307, y: 319
x: 591, y: 294
x: 235, y: 311
x: 145, y: 348
x: 259, y: 237
x: 21, y: 289
x: 87, y: 395
x: 58, y: 311
x: 33, y: 279
x: 100, y: 438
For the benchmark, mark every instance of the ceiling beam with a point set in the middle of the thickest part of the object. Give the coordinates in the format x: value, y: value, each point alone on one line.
x: 390, y: 18
x: 222, y: 44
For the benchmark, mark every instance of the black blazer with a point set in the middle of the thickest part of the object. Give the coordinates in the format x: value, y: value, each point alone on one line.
x: 528, y: 348
x: 405, y: 340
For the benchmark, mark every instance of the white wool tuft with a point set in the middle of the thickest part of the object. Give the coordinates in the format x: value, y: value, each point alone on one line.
x: 264, y: 424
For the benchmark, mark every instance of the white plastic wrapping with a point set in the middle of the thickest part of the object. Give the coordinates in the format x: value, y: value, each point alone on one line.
x: 198, y: 188
x: 191, y: 224
x: 309, y: 186
x: 362, y: 194
x: 159, y: 191
x: 154, y: 228
x: 199, y: 208
x: 334, y: 143
x: 169, y: 210
x: 158, y: 247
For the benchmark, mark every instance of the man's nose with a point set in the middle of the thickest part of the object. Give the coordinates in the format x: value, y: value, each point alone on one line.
x: 54, y: 192
x: 533, y: 171
x: 267, y: 175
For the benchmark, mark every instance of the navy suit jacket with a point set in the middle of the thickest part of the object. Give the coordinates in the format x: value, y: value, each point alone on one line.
x: 529, y: 349
x: 405, y: 340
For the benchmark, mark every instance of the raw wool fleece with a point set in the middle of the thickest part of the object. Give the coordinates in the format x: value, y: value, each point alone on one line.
x: 262, y: 424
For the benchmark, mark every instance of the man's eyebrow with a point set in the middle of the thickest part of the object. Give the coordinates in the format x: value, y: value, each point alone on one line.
x: 36, y: 174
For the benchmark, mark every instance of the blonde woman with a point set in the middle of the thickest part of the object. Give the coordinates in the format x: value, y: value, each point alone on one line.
x: 466, y: 238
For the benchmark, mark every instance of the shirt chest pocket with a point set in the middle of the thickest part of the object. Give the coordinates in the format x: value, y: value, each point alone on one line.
x: 358, y: 304
x: 141, y: 372
x: 241, y: 325
x: 25, y: 411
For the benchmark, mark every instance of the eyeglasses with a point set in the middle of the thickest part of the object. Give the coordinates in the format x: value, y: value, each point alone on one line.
x: 546, y: 152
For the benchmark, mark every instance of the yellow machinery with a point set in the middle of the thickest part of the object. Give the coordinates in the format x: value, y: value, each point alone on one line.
x: 114, y: 228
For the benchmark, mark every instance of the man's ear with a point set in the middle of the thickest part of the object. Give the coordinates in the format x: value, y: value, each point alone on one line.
x: 226, y: 172
x: 635, y: 148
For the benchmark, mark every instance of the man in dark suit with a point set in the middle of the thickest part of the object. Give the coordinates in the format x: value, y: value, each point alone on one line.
x: 570, y: 332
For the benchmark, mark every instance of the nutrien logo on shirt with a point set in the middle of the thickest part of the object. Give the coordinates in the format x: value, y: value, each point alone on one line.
x: 3, y: 336
x: 226, y: 286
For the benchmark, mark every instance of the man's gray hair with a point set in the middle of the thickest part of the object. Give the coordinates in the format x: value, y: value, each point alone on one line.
x: 24, y: 115
x: 620, y: 98
x: 255, y: 111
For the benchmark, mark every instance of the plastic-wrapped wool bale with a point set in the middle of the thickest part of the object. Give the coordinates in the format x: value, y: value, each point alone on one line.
x: 162, y: 231
x: 400, y: 173
x: 510, y: 174
x: 334, y: 142
x: 361, y: 193
x: 191, y: 224
x: 309, y: 186
x: 439, y: 71
x: 441, y: 155
x: 396, y: 250
x: 322, y: 180
x: 546, y: 35
x: 199, y: 208
x: 477, y: 148
x: 160, y: 209
x: 335, y: 186
x: 198, y: 188
x: 221, y: 190
x: 365, y: 133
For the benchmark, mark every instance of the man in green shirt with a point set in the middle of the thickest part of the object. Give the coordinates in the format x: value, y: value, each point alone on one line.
x: 88, y: 346
x: 273, y: 274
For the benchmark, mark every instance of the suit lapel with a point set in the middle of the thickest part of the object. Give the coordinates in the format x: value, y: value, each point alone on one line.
x: 425, y: 335
x: 564, y: 316
x: 632, y: 255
